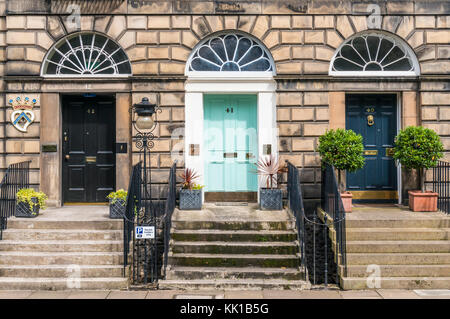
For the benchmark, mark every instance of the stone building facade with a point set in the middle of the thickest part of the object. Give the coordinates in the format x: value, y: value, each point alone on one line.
x: 159, y: 37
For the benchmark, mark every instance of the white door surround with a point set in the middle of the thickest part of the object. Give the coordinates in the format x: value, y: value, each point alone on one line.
x: 263, y: 86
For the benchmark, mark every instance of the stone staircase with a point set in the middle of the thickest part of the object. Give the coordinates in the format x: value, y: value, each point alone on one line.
x: 63, y: 249
x: 412, y: 250
x: 233, y: 247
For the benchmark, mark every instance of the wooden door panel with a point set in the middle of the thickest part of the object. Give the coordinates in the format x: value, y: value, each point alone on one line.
x: 227, y: 143
x: 88, y: 148
x: 379, y: 172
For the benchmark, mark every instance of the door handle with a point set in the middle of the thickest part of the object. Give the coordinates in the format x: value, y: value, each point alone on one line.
x: 67, y: 157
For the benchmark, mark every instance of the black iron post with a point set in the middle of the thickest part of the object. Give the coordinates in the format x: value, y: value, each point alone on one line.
x: 145, y: 125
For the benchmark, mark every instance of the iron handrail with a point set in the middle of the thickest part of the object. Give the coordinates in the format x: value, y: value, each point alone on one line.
x: 295, y: 204
x: 133, y: 202
x: 169, y: 209
x: 306, y: 227
x: 17, y: 176
x: 331, y: 203
x: 441, y: 185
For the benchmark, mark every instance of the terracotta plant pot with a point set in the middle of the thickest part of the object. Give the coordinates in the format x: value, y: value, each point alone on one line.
x: 347, y: 201
x: 422, y: 202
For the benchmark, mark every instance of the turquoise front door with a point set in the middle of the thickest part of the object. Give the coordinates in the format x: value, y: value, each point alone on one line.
x: 231, y: 145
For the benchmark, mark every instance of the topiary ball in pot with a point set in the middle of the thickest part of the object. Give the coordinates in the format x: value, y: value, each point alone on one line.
x: 419, y: 148
x: 342, y: 149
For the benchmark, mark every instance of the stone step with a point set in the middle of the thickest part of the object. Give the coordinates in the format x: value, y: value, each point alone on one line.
x: 398, y: 258
x: 62, y: 246
x: 61, y: 234
x: 399, y: 223
x: 55, y: 271
x: 234, y: 235
x: 233, y: 225
x: 36, y: 223
x: 411, y: 246
x: 398, y: 283
x: 231, y: 260
x: 194, y: 273
x: 250, y: 248
x: 361, y: 234
x: 60, y: 258
x: 39, y: 283
x: 234, y: 284
x: 399, y: 271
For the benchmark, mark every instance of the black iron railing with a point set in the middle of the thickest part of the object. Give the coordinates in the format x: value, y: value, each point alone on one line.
x: 17, y: 176
x: 147, y: 208
x: 333, y: 207
x: 441, y: 185
x: 316, y: 252
x: 295, y: 204
x: 170, y: 207
x: 133, y: 206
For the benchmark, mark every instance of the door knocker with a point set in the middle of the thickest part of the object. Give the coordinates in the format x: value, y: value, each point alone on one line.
x: 370, y: 120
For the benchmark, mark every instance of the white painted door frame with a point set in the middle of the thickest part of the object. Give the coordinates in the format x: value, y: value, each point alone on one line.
x: 196, y: 86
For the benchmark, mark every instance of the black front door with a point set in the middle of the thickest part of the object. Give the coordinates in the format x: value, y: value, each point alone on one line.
x: 88, y: 148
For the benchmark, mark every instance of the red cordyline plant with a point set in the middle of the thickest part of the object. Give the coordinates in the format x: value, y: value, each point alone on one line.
x: 270, y: 168
x: 189, y: 176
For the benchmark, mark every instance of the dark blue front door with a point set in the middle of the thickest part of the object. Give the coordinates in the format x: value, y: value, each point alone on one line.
x: 374, y: 116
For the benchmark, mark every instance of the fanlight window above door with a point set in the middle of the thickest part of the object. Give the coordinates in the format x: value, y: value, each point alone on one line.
x: 230, y: 53
x: 86, y: 55
x: 374, y: 54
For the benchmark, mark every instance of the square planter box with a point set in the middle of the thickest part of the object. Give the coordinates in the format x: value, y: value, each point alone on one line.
x: 23, y: 209
x: 117, y: 209
x: 347, y: 198
x: 422, y: 202
x: 271, y: 199
x: 191, y: 199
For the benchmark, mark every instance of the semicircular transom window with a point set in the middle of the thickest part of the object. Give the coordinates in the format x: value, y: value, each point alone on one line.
x: 374, y: 54
x: 230, y: 53
x: 86, y: 55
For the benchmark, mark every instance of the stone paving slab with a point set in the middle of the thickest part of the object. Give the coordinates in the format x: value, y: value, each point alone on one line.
x: 397, y: 294
x: 363, y: 294
x: 247, y: 294
x: 94, y: 294
x: 15, y: 294
x: 68, y: 213
x: 127, y: 294
x: 228, y: 294
x: 50, y: 294
x: 211, y: 212
x: 311, y: 294
x: 390, y: 212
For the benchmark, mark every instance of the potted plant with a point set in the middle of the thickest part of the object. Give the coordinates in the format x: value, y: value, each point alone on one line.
x: 28, y: 202
x: 191, y: 197
x: 270, y: 197
x: 419, y: 148
x: 117, y: 203
x: 342, y: 149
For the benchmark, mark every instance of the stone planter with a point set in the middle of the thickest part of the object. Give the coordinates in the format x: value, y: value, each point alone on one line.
x: 117, y: 209
x: 271, y: 199
x: 422, y: 202
x: 190, y: 199
x: 347, y: 198
x: 24, y: 210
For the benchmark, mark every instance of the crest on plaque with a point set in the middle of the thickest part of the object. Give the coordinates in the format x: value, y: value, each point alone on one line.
x: 22, y: 115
